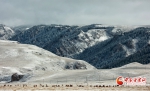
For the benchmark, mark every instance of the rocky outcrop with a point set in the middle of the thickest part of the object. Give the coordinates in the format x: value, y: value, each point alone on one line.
x: 76, y: 65
x: 16, y: 77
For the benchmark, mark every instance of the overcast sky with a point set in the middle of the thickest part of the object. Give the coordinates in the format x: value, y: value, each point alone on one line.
x: 75, y: 12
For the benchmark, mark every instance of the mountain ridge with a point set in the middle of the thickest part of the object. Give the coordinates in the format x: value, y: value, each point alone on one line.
x: 98, y: 44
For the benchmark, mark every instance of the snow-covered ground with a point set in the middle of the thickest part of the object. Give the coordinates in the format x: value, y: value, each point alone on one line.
x: 30, y: 60
x: 100, y: 76
x: 40, y: 66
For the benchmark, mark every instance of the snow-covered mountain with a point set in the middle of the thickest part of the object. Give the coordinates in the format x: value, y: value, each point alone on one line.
x: 5, y: 32
x: 21, y: 28
x: 67, y: 40
x: 27, y: 59
x: 103, y: 46
x: 131, y: 46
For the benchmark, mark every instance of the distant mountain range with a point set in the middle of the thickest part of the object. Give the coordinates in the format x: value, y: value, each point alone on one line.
x: 103, y: 46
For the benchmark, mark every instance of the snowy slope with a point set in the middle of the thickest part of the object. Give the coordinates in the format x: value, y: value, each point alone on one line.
x: 27, y: 59
x: 40, y: 66
x: 91, y: 77
x: 6, y: 32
